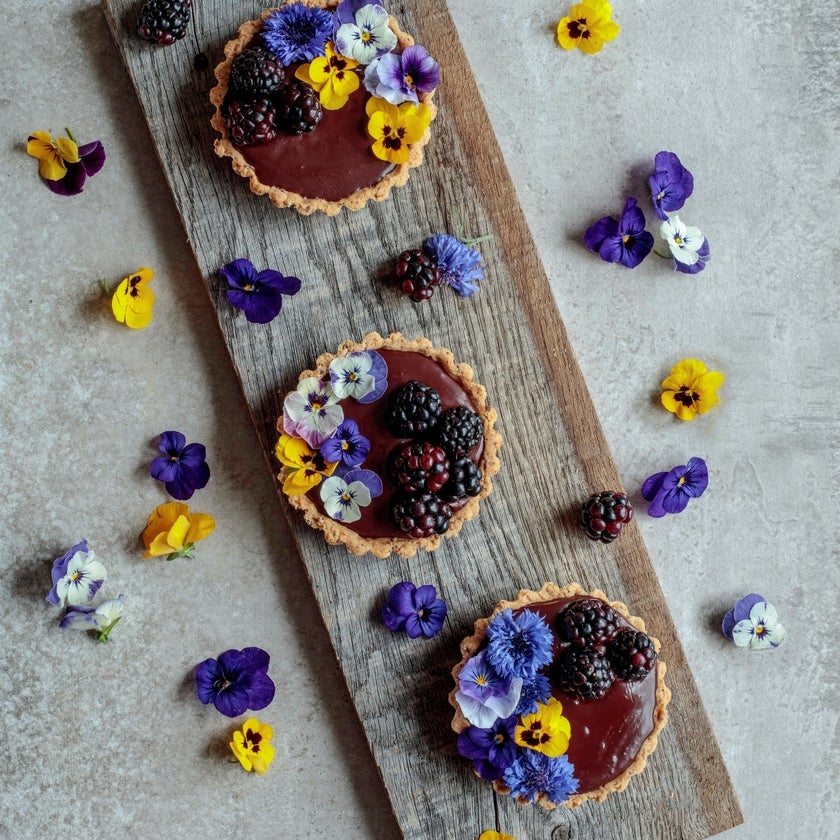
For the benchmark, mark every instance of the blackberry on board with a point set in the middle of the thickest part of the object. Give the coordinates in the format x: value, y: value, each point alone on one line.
x: 298, y: 108
x: 464, y: 480
x: 631, y: 654
x: 583, y: 673
x: 413, y: 410
x: 164, y: 21
x: 420, y: 467
x: 603, y: 515
x: 257, y: 73
x: 458, y: 430
x: 417, y: 274
x: 589, y: 622
x: 251, y: 121
x: 420, y: 515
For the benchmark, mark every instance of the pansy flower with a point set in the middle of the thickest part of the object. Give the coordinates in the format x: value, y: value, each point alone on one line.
x: 362, y: 375
x: 483, y: 694
x: 547, y: 730
x: 400, y: 78
x: 533, y: 773
x: 133, y: 300
x: 102, y: 619
x: 394, y: 128
x: 457, y: 263
x: 588, y: 27
x: 305, y: 467
x: 670, y: 185
x: 345, y: 496
x: 76, y: 576
x: 492, y: 834
x: 691, y: 389
x: 670, y: 492
x: 235, y: 682
x: 173, y: 530
x: 415, y: 609
x: 297, y: 32
x: 491, y: 748
x: 259, y: 294
x: 367, y: 34
x: 252, y: 746
x: 348, y: 447
x: 182, y: 468
x: 62, y: 163
x: 625, y: 241
x: 688, y: 246
x: 333, y: 76
x: 753, y: 623
x: 312, y: 411
x: 518, y: 646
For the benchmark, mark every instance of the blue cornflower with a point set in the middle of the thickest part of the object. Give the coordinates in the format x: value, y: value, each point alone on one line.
x: 415, y: 609
x: 457, y: 264
x: 535, y: 690
x: 670, y: 185
x: 235, y: 682
x: 519, y: 646
x: 491, y: 749
x: 182, y: 467
x: 625, y: 241
x: 348, y: 447
x: 297, y: 32
x: 259, y: 294
x: 534, y: 773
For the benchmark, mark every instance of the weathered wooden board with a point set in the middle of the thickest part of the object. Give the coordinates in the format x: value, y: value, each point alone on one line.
x: 554, y: 452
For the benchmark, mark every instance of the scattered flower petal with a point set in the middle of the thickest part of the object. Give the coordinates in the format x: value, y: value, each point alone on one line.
x: 670, y: 185
x: 63, y: 165
x: 133, y: 301
x: 252, y: 744
x: 182, y: 467
x: 259, y: 294
x: 101, y: 619
x: 691, y: 389
x: 172, y: 530
x: 625, y: 241
x: 669, y: 492
x: 457, y: 263
x: 76, y: 577
x: 753, y: 623
x: 235, y: 682
x: 588, y: 27
x: 490, y: 834
x: 688, y: 246
x: 417, y: 610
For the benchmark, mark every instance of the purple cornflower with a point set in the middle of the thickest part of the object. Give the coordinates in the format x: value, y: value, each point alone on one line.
x: 669, y: 492
x: 259, y: 294
x: 670, y: 185
x: 182, y: 467
x: 519, y: 646
x: 297, y: 32
x: 348, y: 447
x: 625, y: 241
x: 399, y: 78
x: 457, y: 264
x: 414, y: 609
x: 235, y: 682
x: 534, y: 773
x: 492, y: 749
x: 535, y: 690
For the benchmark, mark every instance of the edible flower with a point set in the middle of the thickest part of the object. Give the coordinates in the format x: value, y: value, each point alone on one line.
x: 691, y: 389
x: 415, y: 609
x: 588, y: 27
x: 362, y: 375
x: 670, y: 492
x: 625, y: 241
x: 235, y: 682
x: 62, y: 163
x: 484, y: 695
x: 401, y: 78
x: 534, y: 773
x: 182, y: 468
x: 394, y: 128
x: 259, y: 294
x: 492, y: 748
x: 297, y: 32
x: 670, y: 185
x: 536, y: 689
x: 76, y: 576
x: 305, y: 467
x: 133, y: 300
x: 332, y: 76
x: 172, y: 530
x: 519, y: 646
x: 688, y: 246
x: 102, y: 619
x: 754, y: 623
x: 490, y: 834
x: 252, y: 745
x: 348, y: 446
x: 457, y: 263
x: 366, y: 35
x: 345, y: 496
x: 546, y: 730
x: 312, y: 411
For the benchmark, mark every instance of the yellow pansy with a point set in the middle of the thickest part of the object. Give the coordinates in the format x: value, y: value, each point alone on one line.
x: 494, y: 835
x: 172, y: 530
x: 546, y: 730
x: 305, y: 467
x: 252, y: 745
x: 52, y: 154
x: 395, y: 127
x: 133, y: 300
x: 332, y: 75
x: 691, y: 389
x: 588, y: 27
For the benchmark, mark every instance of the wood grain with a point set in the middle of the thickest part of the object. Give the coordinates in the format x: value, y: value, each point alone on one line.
x: 554, y: 453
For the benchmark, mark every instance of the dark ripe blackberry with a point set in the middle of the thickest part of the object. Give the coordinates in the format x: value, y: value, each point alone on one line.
x: 413, y: 410
x: 458, y: 430
x: 603, y: 515
x: 298, y: 108
x: 631, y: 654
x: 420, y: 515
x: 589, y: 622
x: 582, y: 673
x: 464, y: 480
x: 420, y: 467
x: 417, y: 274
x: 251, y: 122
x: 256, y: 73
x: 164, y: 21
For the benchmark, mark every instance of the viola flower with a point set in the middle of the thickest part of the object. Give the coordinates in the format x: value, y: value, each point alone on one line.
x: 76, y: 576
x: 133, y: 300
x: 63, y: 165
x: 546, y: 730
x: 394, y: 128
x: 753, y: 623
x: 348, y: 447
x: 588, y: 27
x: 362, y: 375
x: 400, y: 78
x: 534, y: 773
x: 333, y: 76
x: 490, y: 834
x: 492, y: 749
x: 669, y: 492
x: 457, y: 263
x: 367, y: 35
x: 417, y: 610
x: 670, y: 185
x: 252, y: 744
x: 519, y: 646
x: 625, y: 241
x: 305, y: 467
x: 182, y: 467
x: 235, y: 682
x: 259, y: 294
x: 172, y: 530
x: 688, y: 246
x: 102, y: 620
x: 483, y: 694
x: 312, y: 411
x: 344, y: 497
x: 536, y: 689
x: 297, y: 32
x: 691, y: 389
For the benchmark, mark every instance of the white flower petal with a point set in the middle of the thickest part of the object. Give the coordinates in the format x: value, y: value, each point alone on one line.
x: 693, y: 239
x: 476, y: 713
x: 763, y: 613
x: 743, y: 632
x: 775, y: 634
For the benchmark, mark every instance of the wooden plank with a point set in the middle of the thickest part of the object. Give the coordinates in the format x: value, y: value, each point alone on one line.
x: 554, y: 454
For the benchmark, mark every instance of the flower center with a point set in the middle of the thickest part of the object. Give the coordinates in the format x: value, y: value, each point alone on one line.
x: 626, y: 238
x: 316, y: 406
x: 678, y: 239
x: 409, y: 81
x: 686, y: 396
x: 481, y: 679
x: 366, y: 35
x: 578, y: 28
x: 500, y: 738
x: 760, y: 630
x: 75, y: 576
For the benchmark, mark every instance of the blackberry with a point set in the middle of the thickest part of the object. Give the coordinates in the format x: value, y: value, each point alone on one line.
x: 164, y: 21
x: 251, y: 122
x: 420, y: 467
x: 589, y: 622
x: 420, y: 515
x: 298, y: 108
x: 417, y: 274
x: 603, y: 515
x: 464, y: 480
x: 458, y: 430
x: 631, y: 654
x: 583, y: 673
x: 413, y: 411
x: 257, y: 73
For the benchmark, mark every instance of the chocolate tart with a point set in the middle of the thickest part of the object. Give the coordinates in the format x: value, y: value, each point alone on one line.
x: 326, y: 170
x: 611, y: 737
x: 407, y: 360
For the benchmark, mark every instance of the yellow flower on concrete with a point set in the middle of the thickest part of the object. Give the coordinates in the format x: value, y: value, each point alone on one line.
x: 252, y: 746
x: 133, y: 301
x: 172, y: 530
x: 332, y: 75
x: 588, y: 27
x: 52, y: 155
x: 546, y: 730
x: 305, y: 467
x: 691, y: 389
x: 395, y: 127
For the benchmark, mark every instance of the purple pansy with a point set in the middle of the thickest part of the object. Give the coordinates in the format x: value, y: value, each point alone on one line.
x: 492, y: 749
x: 415, y: 609
x: 345, y: 495
x: 669, y: 492
x: 259, y: 294
x: 625, y: 241
x: 91, y: 160
x: 518, y: 646
x: 753, y: 623
x: 182, y: 467
x: 533, y: 773
x: 670, y: 185
x: 76, y: 576
x: 457, y: 263
x: 297, y: 32
x: 235, y: 682
x: 399, y: 78
x: 348, y: 447
x: 484, y: 695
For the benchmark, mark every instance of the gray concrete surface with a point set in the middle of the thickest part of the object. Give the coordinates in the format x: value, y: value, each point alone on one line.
x: 109, y: 740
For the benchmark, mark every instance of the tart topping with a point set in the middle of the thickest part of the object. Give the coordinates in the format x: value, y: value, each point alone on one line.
x: 298, y: 108
x: 420, y: 515
x: 420, y: 467
x: 631, y: 654
x: 587, y: 623
x: 464, y: 480
x: 251, y: 121
x: 458, y: 430
x: 257, y: 73
x: 583, y: 673
x: 414, y: 410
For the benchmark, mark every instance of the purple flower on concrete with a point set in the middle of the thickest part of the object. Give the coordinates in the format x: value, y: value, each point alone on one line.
x: 91, y: 160
x: 533, y: 773
x: 259, y: 294
x: 297, y: 32
x: 519, y: 646
x: 76, y: 576
x: 182, y: 467
x: 235, y: 682
x: 102, y: 619
x: 753, y: 623
x: 417, y: 610
x: 669, y: 492
x: 457, y: 264
x: 348, y: 447
x: 492, y: 749
x: 670, y: 185
x: 483, y: 694
x: 399, y: 78
x: 688, y: 246
x: 625, y: 241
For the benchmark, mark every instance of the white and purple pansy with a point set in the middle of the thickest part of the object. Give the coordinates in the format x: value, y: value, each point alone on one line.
x: 483, y: 695
x: 362, y: 31
x: 362, y: 375
x: 401, y: 78
x: 76, y: 576
x: 344, y: 497
x: 312, y: 412
x: 102, y: 619
x: 753, y: 623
